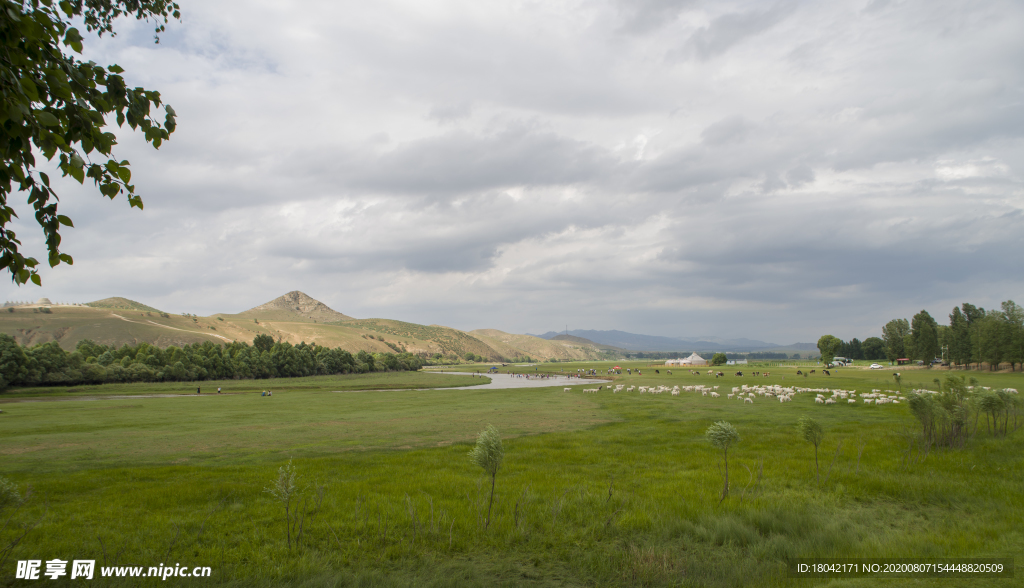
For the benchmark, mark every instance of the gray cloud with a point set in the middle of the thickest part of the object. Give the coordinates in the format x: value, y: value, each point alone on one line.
x: 728, y: 30
x: 807, y: 168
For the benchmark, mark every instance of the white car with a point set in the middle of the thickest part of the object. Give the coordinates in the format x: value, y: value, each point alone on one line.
x: 876, y: 366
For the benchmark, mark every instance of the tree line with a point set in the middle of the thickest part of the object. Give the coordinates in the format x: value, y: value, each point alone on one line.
x: 974, y: 336
x: 47, y: 364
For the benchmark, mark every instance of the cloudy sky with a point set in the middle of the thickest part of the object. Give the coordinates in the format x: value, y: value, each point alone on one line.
x: 768, y: 170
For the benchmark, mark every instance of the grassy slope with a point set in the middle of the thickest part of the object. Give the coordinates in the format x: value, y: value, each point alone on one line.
x: 511, y: 345
x: 118, y: 303
x: 621, y: 490
x: 70, y: 324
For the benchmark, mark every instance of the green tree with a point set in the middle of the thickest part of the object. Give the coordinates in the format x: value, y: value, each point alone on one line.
x: 54, y: 104
x: 873, y: 348
x: 989, y: 339
x: 1013, y: 338
x: 828, y: 346
x: 974, y: 315
x: 723, y: 435
x: 488, y: 454
x: 719, y: 359
x: 263, y: 342
x: 893, y: 334
x: 812, y: 432
x: 959, y: 338
x: 924, y: 332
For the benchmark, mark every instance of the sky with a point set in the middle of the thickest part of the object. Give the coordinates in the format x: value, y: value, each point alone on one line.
x: 776, y: 171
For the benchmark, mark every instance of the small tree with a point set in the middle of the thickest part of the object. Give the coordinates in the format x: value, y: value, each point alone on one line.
x: 719, y: 359
x: 828, y: 346
x: 488, y: 454
x: 284, y: 490
x: 722, y: 435
x: 811, y: 431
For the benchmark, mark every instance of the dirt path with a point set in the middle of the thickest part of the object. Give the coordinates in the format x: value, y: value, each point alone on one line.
x: 173, y: 328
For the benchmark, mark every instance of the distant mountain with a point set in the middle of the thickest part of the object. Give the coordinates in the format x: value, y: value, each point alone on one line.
x: 296, y: 305
x: 637, y: 342
x: 582, y: 341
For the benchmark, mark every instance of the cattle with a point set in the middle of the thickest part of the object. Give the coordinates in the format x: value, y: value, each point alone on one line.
x: 799, y: 373
x: 826, y: 372
x: 739, y: 373
x: 812, y: 371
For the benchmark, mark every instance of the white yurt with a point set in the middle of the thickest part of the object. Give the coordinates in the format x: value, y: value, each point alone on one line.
x: 694, y: 359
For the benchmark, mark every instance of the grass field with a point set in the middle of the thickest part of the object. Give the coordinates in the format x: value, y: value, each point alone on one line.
x: 595, y: 490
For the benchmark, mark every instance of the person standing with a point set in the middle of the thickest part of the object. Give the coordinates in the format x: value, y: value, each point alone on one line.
x: 197, y: 390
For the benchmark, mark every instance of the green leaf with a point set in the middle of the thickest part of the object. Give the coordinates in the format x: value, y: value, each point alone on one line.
x: 30, y: 89
x: 65, y: 221
x: 110, y: 190
x: 125, y: 174
x: 37, y: 280
x: 46, y: 119
x: 115, y: 69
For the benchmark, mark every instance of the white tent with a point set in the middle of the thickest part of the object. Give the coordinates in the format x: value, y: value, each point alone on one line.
x: 694, y: 359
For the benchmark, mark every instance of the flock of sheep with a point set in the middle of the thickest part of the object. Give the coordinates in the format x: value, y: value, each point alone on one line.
x: 747, y: 394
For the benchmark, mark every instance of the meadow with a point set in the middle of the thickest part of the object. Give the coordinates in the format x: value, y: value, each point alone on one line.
x: 595, y: 489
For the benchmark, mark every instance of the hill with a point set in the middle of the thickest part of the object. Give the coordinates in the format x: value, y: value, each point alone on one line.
x: 67, y: 325
x: 121, y: 304
x: 296, y: 317
x: 511, y: 345
x: 296, y: 305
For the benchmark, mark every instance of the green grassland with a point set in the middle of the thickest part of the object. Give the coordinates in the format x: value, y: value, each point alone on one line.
x: 369, y: 381
x: 595, y: 490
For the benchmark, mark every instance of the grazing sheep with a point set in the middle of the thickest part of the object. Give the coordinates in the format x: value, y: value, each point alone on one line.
x: 714, y: 395
x: 568, y: 390
x: 750, y: 400
x: 852, y: 401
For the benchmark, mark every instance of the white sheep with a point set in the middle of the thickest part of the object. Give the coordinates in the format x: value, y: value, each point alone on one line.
x: 748, y: 399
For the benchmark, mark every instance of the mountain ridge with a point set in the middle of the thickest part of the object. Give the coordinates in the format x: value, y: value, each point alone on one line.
x: 639, y: 342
